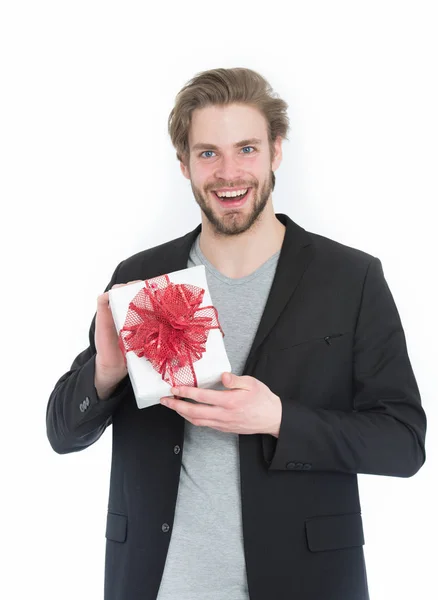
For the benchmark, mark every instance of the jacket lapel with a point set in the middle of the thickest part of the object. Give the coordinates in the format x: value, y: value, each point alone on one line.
x: 295, y: 255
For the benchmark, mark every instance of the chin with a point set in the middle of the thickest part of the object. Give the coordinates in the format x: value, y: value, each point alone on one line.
x: 232, y: 222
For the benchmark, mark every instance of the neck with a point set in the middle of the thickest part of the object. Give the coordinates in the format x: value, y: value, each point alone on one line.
x: 240, y: 255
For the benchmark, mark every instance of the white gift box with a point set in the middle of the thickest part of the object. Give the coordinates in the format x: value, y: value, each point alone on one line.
x: 147, y: 383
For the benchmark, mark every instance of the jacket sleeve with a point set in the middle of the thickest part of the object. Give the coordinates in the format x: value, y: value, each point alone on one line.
x: 384, y: 433
x: 75, y: 416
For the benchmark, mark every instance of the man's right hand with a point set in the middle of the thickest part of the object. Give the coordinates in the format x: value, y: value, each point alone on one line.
x: 110, y: 362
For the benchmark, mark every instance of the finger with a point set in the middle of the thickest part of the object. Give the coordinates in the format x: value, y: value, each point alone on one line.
x: 116, y: 285
x: 194, y: 411
x: 205, y: 396
x: 232, y: 381
x: 103, y: 300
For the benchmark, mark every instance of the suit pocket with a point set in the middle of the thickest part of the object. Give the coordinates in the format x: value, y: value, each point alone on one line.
x: 328, y: 339
x: 316, y: 371
x: 334, y: 532
x: 116, y: 527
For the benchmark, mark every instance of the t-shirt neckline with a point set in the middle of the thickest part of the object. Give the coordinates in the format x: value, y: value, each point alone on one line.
x: 230, y: 280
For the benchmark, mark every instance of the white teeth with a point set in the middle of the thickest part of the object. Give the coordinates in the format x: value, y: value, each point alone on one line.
x: 231, y: 194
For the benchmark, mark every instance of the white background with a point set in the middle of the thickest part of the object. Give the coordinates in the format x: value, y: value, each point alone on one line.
x: 89, y: 177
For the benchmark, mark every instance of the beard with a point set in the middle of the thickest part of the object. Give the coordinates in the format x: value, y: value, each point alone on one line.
x: 234, y: 222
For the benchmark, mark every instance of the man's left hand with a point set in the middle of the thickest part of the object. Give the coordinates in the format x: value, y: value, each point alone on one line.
x: 247, y: 407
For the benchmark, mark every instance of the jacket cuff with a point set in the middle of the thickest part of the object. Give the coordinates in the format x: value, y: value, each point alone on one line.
x: 87, y: 404
x: 281, y: 453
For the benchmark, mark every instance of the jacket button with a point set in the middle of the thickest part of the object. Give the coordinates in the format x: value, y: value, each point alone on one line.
x: 299, y: 466
x: 307, y: 466
x: 290, y: 465
x: 176, y: 449
x: 165, y: 527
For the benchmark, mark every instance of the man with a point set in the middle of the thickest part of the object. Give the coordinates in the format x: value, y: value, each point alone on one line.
x: 249, y: 489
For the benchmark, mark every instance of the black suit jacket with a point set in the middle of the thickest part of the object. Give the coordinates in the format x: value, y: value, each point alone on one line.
x: 330, y: 343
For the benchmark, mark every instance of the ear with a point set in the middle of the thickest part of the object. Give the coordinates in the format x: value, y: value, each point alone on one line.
x: 185, y: 170
x: 278, y: 153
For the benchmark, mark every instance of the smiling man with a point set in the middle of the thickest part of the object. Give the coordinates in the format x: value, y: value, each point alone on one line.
x: 232, y: 178
x: 248, y: 490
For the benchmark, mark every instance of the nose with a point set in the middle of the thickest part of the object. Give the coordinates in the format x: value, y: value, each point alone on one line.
x: 228, y: 168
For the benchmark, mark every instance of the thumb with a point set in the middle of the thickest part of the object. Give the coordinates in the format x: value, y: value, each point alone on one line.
x: 230, y: 380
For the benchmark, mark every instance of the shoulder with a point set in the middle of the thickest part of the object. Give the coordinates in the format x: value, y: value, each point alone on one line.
x: 329, y: 250
x: 325, y: 250
x: 150, y: 254
x: 149, y: 263
x: 340, y: 261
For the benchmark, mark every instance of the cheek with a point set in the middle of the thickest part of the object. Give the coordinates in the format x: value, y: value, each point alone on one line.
x: 258, y: 168
x: 201, y: 174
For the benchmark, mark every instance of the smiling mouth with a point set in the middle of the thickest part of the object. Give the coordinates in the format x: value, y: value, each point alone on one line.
x: 230, y: 199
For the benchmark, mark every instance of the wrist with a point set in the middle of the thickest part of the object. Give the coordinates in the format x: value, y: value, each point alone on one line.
x: 107, y: 380
x: 274, y: 430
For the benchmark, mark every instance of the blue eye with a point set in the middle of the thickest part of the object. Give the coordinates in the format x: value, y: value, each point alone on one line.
x: 211, y: 152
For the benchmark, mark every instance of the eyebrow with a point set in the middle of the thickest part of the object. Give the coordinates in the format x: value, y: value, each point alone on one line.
x: 248, y: 142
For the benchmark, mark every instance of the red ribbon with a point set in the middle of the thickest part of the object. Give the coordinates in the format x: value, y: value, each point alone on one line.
x: 165, y: 325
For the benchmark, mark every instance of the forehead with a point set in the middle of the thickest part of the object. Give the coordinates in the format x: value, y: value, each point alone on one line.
x: 225, y: 125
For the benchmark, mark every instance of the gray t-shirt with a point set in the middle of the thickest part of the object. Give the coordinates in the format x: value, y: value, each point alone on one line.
x: 206, y: 557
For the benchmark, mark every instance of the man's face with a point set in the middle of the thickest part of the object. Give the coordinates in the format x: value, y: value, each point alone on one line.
x: 229, y: 150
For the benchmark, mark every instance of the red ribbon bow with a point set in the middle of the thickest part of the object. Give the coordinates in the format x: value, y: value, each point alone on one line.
x: 165, y: 325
